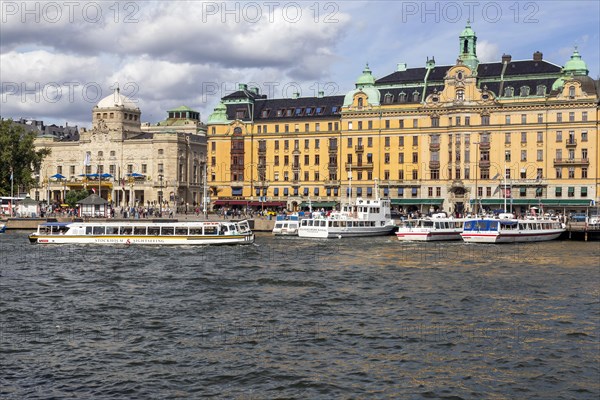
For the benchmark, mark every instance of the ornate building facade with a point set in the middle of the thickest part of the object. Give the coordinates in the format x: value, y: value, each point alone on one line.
x: 450, y: 137
x: 127, y: 162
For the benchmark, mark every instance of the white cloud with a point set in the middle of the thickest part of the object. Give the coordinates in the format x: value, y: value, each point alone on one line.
x: 487, y: 52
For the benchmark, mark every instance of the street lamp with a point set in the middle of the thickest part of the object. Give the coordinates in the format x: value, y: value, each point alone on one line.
x: 160, y: 194
x: 476, y: 176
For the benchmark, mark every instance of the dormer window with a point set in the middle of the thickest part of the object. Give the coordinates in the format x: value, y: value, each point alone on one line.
x: 540, y: 90
x: 240, y: 114
x: 309, y: 110
x: 509, y: 91
x: 415, y: 96
x: 388, y: 98
x: 402, y: 97
x: 572, y: 91
x: 360, y: 101
x: 280, y: 112
x: 298, y: 111
x: 288, y: 112
x: 524, y: 91
x: 265, y: 113
x: 319, y: 110
x: 334, y: 109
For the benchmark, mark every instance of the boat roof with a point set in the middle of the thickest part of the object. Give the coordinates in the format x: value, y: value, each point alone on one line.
x: 141, y: 223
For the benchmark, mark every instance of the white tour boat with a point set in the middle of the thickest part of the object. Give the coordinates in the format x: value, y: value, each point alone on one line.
x: 364, y: 217
x: 286, y: 225
x: 141, y: 232
x: 437, y: 227
x: 507, y: 229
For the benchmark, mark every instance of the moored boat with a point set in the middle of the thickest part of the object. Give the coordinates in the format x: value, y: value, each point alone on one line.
x: 507, y: 229
x: 2, y: 227
x: 286, y: 225
x: 434, y: 228
x: 364, y: 217
x: 139, y: 232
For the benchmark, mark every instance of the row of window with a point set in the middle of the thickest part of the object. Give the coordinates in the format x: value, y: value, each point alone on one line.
x: 297, y: 111
x: 111, y: 115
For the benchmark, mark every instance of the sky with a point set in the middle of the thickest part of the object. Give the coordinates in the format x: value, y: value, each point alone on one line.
x: 59, y: 58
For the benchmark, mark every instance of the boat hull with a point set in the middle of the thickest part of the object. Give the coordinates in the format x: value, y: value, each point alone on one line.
x: 150, y: 240
x: 427, y: 236
x: 513, y: 237
x: 331, y: 232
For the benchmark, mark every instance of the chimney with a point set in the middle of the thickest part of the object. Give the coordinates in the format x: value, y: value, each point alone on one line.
x: 254, y: 89
x: 295, y: 95
x: 537, y: 56
x: 401, y: 67
x: 321, y: 94
x: 506, y: 58
x: 242, y: 86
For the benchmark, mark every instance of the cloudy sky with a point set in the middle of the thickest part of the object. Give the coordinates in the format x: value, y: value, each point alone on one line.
x: 58, y: 59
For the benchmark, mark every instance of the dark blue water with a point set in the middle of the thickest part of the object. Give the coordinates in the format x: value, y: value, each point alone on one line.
x: 292, y: 318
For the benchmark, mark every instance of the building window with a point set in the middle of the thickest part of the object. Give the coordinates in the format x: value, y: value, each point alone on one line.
x: 571, y: 117
x: 523, y: 118
x: 507, y: 119
x: 558, y: 117
x: 540, y: 90
x: 507, y: 156
x: 572, y: 91
x: 540, y: 155
x: 387, y: 141
x: 509, y: 91
x: 359, y: 125
x: 524, y: 91
x: 415, y: 123
x: 485, y: 120
x: 369, y: 142
x: 571, y: 191
x: 460, y: 95
x: 540, y: 137
x: 467, y: 121
x: 523, y: 137
x: 559, y: 136
x: 415, y: 174
x: 415, y: 157
x: 584, y: 116
x: 523, y: 155
x: 435, y: 122
x: 386, y: 158
x: 317, y: 159
x: 276, y: 161
x: 539, y: 173
x: 584, y: 172
x: 558, y: 173
x: 507, y: 136
x: 584, y: 136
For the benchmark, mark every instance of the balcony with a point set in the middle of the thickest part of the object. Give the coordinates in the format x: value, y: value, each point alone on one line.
x: 359, y: 148
x: 434, y: 165
x: 332, y: 165
x: 262, y: 150
x: 571, y: 161
x: 332, y: 183
x: 295, y: 166
x: 529, y: 182
x: 359, y: 166
x: 261, y: 184
x: 434, y: 146
x: 484, y: 163
x: 484, y: 146
x: 571, y: 142
x: 333, y: 149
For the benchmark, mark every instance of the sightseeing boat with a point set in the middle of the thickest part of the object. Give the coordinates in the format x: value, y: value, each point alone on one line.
x: 139, y: 232
x: 286, y: 225
x: 436, y: 227
x: 2, y: 227
x: 359, y: 218
x: 507, y: 229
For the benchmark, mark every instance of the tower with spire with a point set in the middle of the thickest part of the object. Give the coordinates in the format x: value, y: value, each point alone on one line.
x: 468, y: 48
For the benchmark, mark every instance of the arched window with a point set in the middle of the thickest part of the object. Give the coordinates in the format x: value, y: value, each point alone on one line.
x: 540, y: 90
x: 571, y: 91
x: 402, y: 97
x: 509, y: 91
x: 360, y: 101
x: 415, y: 96
x: 388, y: 98
x: 524, y: 91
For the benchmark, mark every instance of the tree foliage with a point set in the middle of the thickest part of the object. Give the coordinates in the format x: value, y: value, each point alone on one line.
x: 18, y: 153
x: 73, y: 196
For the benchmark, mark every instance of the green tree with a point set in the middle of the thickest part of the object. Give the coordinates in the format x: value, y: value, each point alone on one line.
x: 18, y: 154
x: 73, y: 196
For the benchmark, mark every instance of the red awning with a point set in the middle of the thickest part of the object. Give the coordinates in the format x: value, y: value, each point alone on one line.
x: 268, y: 204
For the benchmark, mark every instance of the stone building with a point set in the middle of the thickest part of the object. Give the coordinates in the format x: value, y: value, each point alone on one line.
x: 452, y: 137
x: 126, y: 162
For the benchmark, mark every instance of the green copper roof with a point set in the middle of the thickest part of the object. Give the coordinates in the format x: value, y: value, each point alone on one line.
x: 576, y: 66
x: 468, y: 31
x: 366, y: 79
x: 182, y: 108
x: 219, y: 116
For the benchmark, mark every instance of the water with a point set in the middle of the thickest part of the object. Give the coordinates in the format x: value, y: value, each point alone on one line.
x: 291, y: 318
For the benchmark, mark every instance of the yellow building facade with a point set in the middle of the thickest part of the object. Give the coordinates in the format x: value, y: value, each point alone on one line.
x: 454, y: 137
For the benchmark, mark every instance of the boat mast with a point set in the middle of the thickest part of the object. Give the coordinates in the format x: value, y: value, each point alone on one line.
x: 204, y: 191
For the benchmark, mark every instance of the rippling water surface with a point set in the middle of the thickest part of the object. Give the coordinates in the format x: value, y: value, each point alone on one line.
x: 293, y: 318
